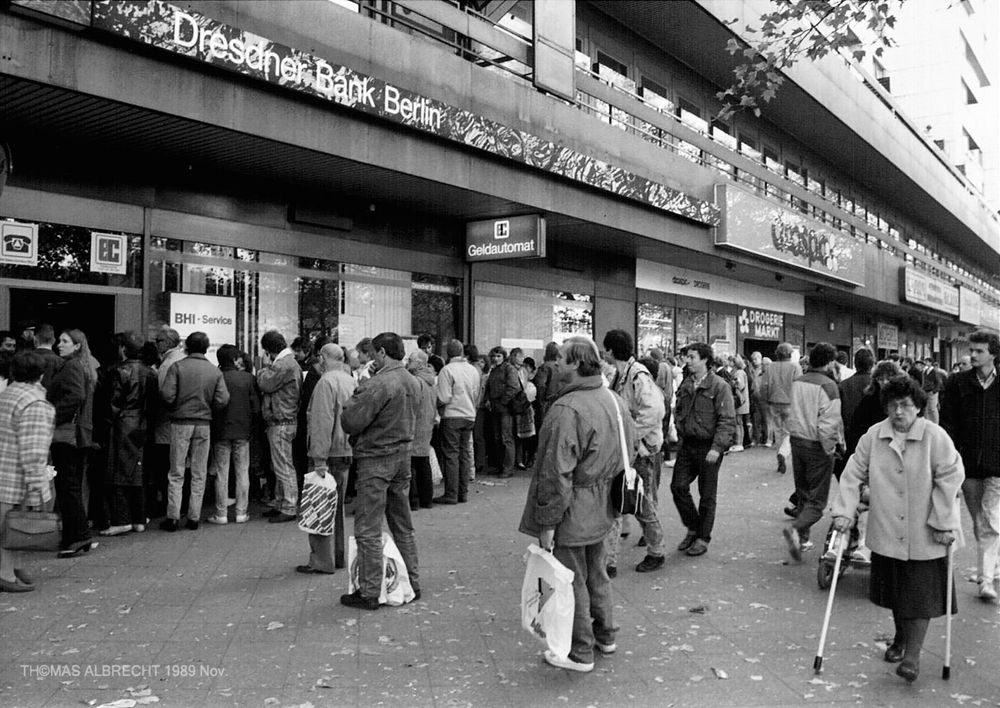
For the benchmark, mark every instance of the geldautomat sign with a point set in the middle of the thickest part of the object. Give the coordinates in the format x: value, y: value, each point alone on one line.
x: 191, y: 34
x: 765, y: 229
x: 510, y: 237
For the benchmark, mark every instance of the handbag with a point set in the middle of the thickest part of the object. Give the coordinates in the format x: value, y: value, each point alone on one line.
x: 27, y: 529
x: 626, y: 488
x: 519, y: 403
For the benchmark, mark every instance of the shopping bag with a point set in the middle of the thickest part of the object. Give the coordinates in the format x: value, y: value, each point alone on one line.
x: 547, y: 605
x: 436, y: 475
x: 396, y: 587
x: 318, y: 504
x: 28, y: 529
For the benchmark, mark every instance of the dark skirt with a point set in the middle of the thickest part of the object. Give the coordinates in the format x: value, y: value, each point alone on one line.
x: 912, y: 589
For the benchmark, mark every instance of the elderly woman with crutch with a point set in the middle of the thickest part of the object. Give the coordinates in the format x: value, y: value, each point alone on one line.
x: 915, y: 475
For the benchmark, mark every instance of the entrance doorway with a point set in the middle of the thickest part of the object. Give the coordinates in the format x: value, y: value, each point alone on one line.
x: 766, y: 348
x: 64, y: 309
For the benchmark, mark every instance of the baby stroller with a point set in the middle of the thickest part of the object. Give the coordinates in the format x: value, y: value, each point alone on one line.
x: 855, y: 553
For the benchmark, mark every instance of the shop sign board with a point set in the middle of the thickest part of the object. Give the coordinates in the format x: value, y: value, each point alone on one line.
x: 761, y: 324
x: 188, y: 33
x: 921, y: 289
x: 989, y: 315
x: 887, y: 336
x: 108, y: 253
x: 764, y: 229
x: 18, y: 243
x: 214, y: 315
x: 510, y: 237
x: 969, y: 306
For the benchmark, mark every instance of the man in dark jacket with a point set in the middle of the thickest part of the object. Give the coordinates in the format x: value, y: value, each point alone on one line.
x: 971, y: 416
x: 567, y: 508
x: 45, y: 339
x: 231, y: 430
x: 501, y: 387
x: 380, y: 418
x: 192, y: 390
x: 706, y: 427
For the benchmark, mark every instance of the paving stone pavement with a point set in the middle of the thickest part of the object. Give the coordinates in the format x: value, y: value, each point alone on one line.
x: 218, y: 617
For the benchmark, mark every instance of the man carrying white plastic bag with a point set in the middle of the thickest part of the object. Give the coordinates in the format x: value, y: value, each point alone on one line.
x: 568, y: 507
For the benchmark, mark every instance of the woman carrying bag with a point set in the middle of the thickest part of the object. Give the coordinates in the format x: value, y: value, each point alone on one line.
x: 26, y: 423
x: 72, y: 393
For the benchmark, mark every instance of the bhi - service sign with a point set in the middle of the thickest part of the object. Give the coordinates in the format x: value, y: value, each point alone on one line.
x: 509, y: 237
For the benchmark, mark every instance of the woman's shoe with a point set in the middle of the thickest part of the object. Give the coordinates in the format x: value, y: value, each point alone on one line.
x: 893, y: 653
x: 76, y: 549
x: 15, y: 586
x: 908, y: 670
x: 24, y: 576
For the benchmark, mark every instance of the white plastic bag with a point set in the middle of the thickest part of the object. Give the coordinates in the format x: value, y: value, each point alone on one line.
x: 318, y: 504
x: 547, y: 605
x: 436, y: 475
x: 396, y: 588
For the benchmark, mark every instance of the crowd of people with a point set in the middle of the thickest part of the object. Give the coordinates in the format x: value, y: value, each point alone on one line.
x: 139, y: 438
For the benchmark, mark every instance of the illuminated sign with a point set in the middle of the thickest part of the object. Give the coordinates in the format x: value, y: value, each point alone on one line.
x: 512, y: 237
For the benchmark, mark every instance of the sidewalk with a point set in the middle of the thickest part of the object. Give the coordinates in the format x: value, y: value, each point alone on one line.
x: 218, y: 617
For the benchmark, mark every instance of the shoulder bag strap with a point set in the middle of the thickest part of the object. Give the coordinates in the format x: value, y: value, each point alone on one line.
x: 629, y: 471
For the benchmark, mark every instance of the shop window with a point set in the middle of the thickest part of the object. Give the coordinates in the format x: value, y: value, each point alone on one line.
x: 305, y: 297
x: 656, y: 328
x: 722, y: 334
x: 692, y: 326
x: 512, y: 315
x: 64, y: 255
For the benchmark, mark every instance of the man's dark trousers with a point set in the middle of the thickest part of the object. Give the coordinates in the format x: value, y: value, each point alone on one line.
x: 691, y: 465
x: 812, y: 468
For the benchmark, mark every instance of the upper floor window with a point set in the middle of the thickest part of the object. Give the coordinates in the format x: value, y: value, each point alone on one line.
x: 722, y: 132
x: 612, y: 63
x: 656, y: 95
x: 690, y: 115
x: 748, y: 147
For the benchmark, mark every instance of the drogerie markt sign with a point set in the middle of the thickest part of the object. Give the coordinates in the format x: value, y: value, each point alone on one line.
x: 509, y: 237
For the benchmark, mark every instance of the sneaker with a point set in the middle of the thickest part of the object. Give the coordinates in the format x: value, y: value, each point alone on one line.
x: 698, y: 548
x: 170, y: 525
x: 191, y: 525
x: 606, y: 648
x: 736, y: 448
x: 139, y: 528
x: 792, y: 539
x: 688, y: 540
x: 115, y: 530
x: 567, y: 663
x: 356, y: 599
x: 807, y: 546
x: 217, y: 520
x: 669, y: 463
x: 242, y: 518
x: 612, y: 571
x: 650, y: 563
x: 986, y: 591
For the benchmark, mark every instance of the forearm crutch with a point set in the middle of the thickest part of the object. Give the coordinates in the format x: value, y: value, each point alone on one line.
x: 946, y: 669
x: 838, y: 543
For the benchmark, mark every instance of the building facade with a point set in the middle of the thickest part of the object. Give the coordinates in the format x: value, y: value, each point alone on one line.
x: 508, y: 173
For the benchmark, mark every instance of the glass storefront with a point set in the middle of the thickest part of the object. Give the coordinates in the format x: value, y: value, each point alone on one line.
x: 722, y: 333
x: 656, y: 328
x: 512, y: 315
x: 692, y: 326
x: 305, y: 297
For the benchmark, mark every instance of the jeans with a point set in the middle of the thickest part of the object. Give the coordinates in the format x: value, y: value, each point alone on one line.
x: 982, y: 497
x: 932, y: 411
x: 503, y: 433
x: 591, y: 596
x: 185, y: 437
x: 239, y: 451
x: 70, y: 462
x: 383, y: 488
x: 812, y: 468
x: 286, y: 489
x: 455, y: 436
x: 778, y: 425
x: 691, y: 465
x: 648, y: 469
x: 421, y: 482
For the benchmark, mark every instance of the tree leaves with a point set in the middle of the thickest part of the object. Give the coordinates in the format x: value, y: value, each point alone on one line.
x: 797, y: 30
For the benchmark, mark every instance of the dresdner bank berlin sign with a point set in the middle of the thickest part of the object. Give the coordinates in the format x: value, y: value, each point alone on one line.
x: 510, y: 237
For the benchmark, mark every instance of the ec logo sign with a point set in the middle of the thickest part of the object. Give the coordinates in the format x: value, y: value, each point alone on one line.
x: 107, y: 253
x: 501, y: 229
